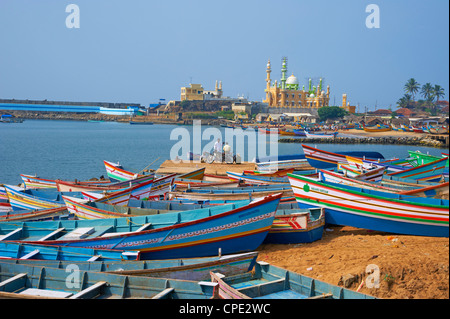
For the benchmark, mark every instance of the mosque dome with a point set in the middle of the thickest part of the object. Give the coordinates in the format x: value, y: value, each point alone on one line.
x: 292, y: 80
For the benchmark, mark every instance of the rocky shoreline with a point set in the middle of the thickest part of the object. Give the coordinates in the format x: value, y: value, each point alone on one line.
x: 401, y: 140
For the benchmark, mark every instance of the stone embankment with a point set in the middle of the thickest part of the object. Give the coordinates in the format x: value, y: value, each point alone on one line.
x: 391, y: 140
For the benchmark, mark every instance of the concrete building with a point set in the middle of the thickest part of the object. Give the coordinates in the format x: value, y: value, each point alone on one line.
x: 195, y: 92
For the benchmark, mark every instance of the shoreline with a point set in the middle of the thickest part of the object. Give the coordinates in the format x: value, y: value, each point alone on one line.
x: 354, y: 136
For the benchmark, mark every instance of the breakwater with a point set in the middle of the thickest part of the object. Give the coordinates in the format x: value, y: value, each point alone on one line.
x: 387, y: 140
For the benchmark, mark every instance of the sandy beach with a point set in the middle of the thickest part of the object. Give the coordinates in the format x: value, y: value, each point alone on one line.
x: 410, y: 267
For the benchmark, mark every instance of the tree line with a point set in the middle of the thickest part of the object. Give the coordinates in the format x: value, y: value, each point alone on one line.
x: 430, y: 93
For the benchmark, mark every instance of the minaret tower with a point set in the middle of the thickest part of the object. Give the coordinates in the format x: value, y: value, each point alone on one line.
x: 268, y: 70
x: 283, y: 74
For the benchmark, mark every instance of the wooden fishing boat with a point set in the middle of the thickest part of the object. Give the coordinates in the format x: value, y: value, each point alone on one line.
x: 287, y: 132
x: 37, y: 282
x: 287, y: 193
x: 195, y: 175
x: 66, y: 186
x: 378, y: 129
x: 432, y: 171
x: 436, y: 190
x: 31, y: 181
x: 20, y: 198
x: 374, y: 175
x: 323, y: 159
x: 151, y: 189
x: 294, y: 226
x: 438, y: 130
x: 300, y: 133
x: 299, y: 164
x: 382, y: 211
x: 141, y: 123
x: 187, y: 183
x: 163, y: 236
x: 124, y: 262
x: 39, y: 252
x: 321, y: 135
x: 270, y: 282
x: 117, y: 172
x: 255, y: 179
x: 122, y: 197
x: 278, y: 173
x: 423, y: 158
x: 92, y: 210
x: 35, y: 215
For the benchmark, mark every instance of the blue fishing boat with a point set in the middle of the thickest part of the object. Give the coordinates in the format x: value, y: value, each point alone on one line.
x: 431, y: 172
x: 37, y: 282
x: 323, y: 159
x: 21, y: 199
x: 163, y: 236
x: 92, y: 210
x: 299, y: 132
x: 57, y: 213
x: 294, y: 226
x: 270, y: 282
x: 374, y: 210
x: 255, y: 179
x: 124, y: 262
x: 392, y: 185
x: 21, y: 251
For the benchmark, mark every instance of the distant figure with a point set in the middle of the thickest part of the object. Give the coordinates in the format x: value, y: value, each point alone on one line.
x: 217, y: 146
x: 226, y: 148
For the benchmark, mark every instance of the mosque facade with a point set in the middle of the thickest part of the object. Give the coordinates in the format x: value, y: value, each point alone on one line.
x: 287, y: 94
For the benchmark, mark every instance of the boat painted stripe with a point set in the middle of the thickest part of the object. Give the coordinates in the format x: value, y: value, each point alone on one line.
x: 399, y: 174
x: 361, y: 199
x: 353, y: 210
x: 388, y: 200
x: 206, y: 241
x: 387, y: 214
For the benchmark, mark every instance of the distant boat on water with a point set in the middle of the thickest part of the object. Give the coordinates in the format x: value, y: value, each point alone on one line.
x: 141, y: 123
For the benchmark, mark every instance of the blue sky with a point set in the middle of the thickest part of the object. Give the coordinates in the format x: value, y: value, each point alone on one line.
x: 141, y: 51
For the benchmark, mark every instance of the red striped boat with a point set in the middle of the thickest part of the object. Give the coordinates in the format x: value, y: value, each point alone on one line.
x: 374, y: 210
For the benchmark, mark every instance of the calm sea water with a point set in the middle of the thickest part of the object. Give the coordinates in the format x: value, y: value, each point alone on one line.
x: 71, y: 150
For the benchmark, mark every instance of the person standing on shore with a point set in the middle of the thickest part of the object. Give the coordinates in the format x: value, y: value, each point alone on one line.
x: 218, y: 148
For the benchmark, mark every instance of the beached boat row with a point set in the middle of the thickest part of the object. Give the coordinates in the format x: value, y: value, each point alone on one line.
x: 202, y: 236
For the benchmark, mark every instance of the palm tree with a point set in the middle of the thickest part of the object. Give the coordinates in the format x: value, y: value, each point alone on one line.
x: 438, y: 92
x: 412, y: 87
x: 427, y: 92
x: 404, y: 101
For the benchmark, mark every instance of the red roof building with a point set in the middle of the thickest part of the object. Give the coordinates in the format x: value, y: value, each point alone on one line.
x: 404, y: 112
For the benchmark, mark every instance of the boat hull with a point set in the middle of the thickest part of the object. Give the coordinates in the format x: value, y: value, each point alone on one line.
x: 356, y: 209
x: 238, y: 230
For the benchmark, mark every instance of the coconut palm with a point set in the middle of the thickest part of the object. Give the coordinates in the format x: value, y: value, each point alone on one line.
x: 438, y: 92
x: 427, y: 91
x: 404, y: 101
x: 412, y: 87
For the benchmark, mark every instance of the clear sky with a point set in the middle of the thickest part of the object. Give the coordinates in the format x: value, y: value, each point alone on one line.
x: 141, y: 51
